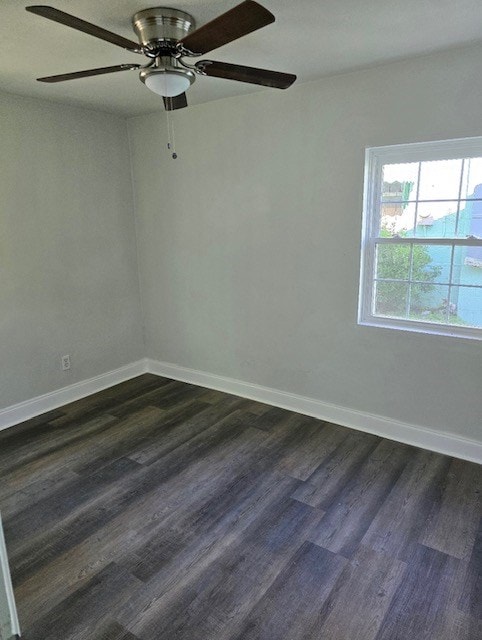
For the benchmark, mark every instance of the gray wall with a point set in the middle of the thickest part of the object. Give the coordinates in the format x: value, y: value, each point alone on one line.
x: 68, y: 270
x: 249, y: 242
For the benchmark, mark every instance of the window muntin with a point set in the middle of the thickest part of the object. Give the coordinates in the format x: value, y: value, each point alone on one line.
x: 422, y: 241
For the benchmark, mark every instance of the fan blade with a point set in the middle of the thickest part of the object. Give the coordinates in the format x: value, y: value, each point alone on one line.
x: 246, y: 74
x: 235, y: 23
x: 81, y: 25
x: 177, y: 102
x: 88, y: 73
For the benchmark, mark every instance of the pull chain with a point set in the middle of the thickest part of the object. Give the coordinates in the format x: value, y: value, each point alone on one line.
x: 170, y: 129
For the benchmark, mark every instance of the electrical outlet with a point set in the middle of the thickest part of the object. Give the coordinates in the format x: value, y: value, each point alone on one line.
x: 65, y: 363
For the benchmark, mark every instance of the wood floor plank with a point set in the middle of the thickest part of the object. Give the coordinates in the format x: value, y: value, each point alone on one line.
x: 135, y: 434
x: 49, y: 438
x: 422, y: 600
x: 345, y: 452
x: 226, y: 500
x: 360, y: 598
x: 180, y: 429
x: 453, y: 527
x: 35, y: 459
x: 149, y: 558
x: 76, y: 451
x: 72, y: 496
x: 459, y: 626
x: 79, y: 614
x: 110, y: 398
x: 471, y: 597
x: 16, y: 437
x: 291, y: 607
x: 456, y: 625
x: 397, y: 527
x: 350, y: 515
x: 297, y: 444
x: 257, y: 408
x: 212, y: 396
x: 60, y: 502
x: 316, y: 440
x: 167, y: 396
x: 269, y: 420
x: 212, y: 537
x: 63, y: 574
x: 112, y: 630
x: 177, y: 396
x: 25, y: 490
x: 219, y: 599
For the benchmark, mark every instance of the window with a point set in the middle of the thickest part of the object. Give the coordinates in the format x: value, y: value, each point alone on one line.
x: 422, y: 238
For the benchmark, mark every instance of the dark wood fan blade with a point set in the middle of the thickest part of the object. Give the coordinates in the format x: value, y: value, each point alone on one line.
x: 177, y: 102
x: 246, y: 74
x: 81, y: 25
x: 235, y: 23
x: 88, y: 73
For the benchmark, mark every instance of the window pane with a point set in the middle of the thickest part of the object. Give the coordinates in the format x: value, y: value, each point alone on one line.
x: 428, y: 302
x: 431, y: 263
x: 472, y: 180
x: 391, y: 299
x: 466, y: 306
x: 470, y: 219
x: 393, y: 261
x: 397, y: 219
x: 472, y: 223
x: 467, y: 266
x: 399, y: 184
x: 440, y: 180
x: 436, y: 219
x: 399, y: 181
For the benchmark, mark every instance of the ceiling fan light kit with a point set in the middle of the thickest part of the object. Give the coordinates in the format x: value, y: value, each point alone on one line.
x: 167, y: 78
x: 168, y: 36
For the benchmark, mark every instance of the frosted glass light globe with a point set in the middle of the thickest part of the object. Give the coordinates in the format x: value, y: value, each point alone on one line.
x: 167, y: 84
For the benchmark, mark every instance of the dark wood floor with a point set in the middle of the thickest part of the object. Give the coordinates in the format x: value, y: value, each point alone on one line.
x: 159, y: 510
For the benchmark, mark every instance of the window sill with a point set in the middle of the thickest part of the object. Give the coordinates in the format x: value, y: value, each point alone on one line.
x: 471, y: 333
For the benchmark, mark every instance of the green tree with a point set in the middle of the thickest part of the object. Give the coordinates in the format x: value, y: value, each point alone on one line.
x: 393, y: 262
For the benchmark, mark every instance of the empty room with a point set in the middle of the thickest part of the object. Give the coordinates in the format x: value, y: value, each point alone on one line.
x: 241, y: 320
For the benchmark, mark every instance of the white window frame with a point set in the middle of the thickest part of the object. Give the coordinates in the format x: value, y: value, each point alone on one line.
x: 375, y: 158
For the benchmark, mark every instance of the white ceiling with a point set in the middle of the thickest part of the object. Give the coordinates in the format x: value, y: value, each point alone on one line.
x: 312, y: 38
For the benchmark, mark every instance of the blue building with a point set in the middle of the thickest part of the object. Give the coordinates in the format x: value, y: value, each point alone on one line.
x: 465, y: 302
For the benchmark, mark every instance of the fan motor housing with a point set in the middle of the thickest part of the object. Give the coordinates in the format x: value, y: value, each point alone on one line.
x: 162, y: 27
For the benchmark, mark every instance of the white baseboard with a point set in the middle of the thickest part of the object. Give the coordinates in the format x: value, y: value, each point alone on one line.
x: 41, y: 404
x: 417, y: 436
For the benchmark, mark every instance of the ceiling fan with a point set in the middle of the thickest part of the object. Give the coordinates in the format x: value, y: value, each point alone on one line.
x: 168, y: 36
